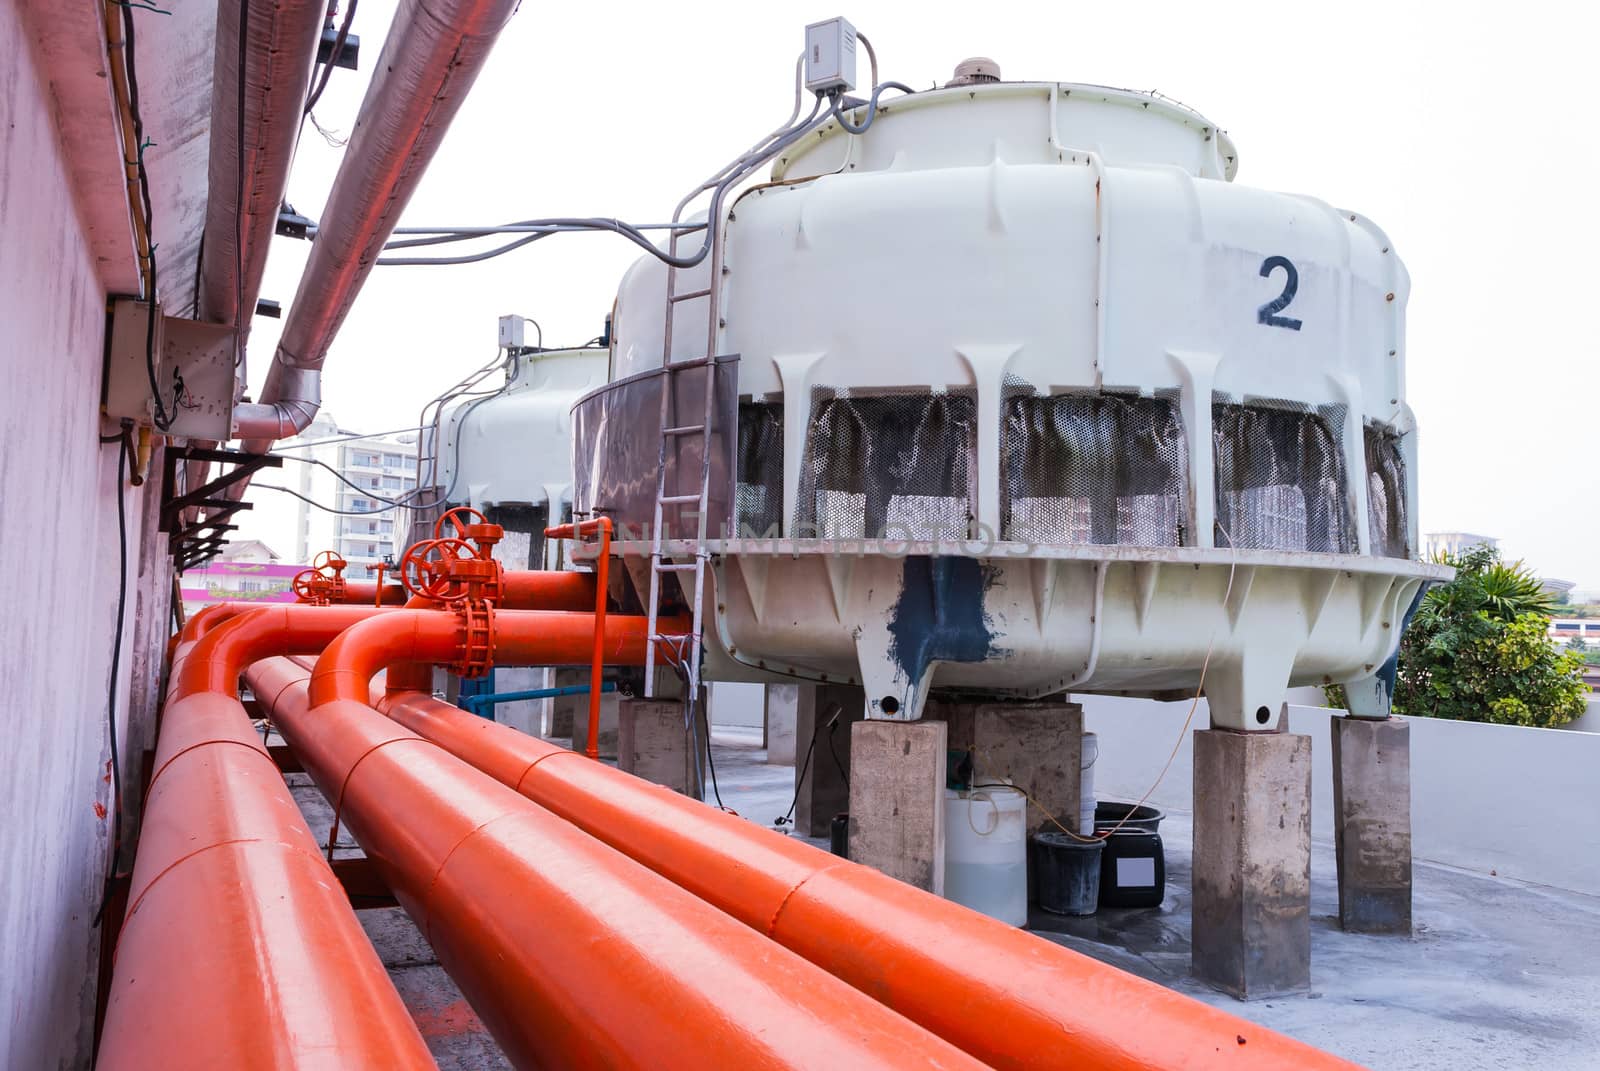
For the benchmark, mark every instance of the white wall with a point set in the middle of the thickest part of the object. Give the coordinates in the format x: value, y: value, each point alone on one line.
x: 58, y: 582
x: 735, y: 704
x: 1521, y: 802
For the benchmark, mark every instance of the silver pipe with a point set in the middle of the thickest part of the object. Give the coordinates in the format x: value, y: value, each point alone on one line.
x: 278, y: 49
x: 434, y: 52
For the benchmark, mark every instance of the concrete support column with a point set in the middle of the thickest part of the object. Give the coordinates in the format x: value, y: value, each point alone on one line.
x: 782, y: 709
x: 652, y: 743
x: 1036, y: 746
x: 1252, y: 862
x: 824, y: 790
x: 608, y: 721
x: 897, y: 799
x: 564, y: 709
x: 1372, y: 823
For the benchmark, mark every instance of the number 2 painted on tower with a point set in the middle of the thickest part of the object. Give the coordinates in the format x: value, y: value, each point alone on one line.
x: 1268, y: 313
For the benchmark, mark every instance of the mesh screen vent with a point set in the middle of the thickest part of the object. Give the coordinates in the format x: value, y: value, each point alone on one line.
x: 1281, y: 482
x: 1387, y: 522
x: 523, y: 545
x: 1093, y: 469
x: 896, y: 466
x: 758, y: 490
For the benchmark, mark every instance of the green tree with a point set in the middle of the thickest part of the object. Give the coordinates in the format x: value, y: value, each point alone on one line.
x: 1479, y: 649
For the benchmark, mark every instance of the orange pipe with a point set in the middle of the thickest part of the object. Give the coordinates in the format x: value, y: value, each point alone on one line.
x: 1003, y: 995
x: 521, y: 638
x: 239, y: 948
x: 370, y: 593
x: 602, y: 588
x: 573, y: 955
x: 540, y: 589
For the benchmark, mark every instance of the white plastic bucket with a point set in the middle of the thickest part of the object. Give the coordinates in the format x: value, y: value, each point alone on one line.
x: 1091, y: 752
x: 986, y: 852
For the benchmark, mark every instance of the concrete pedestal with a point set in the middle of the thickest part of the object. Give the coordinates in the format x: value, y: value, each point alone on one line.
x: 563, y: 709
x: 897, y: 799
x: 652, y: 744
x: 1252, y: 862
x: 824, y: 790
x: 782, y: 709
x: 608, y: 723
x: 1372, y: 823
x: 1036, y: 746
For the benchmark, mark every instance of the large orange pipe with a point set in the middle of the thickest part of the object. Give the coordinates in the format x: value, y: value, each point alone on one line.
x: 1003, y: 995
x: 573, y: 954
x: 371, y: 593
x: 521, y: 638
x: 239, y: 948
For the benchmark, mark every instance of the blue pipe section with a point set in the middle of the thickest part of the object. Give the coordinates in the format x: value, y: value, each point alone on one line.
x: 483, y: 704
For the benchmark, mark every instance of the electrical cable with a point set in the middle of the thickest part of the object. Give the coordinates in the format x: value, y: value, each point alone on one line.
x: 161, y: 419
x: 720, y: 185
x: 711, y: 762
x: 786, y: 819
x: 116, y: 663
x: 1183, y: 733
x: 333, y: 59
x: 837, y: 112
x: 239, y: 317
x: 834, y: 724
x: 833, y: 720
x: 404, y: 501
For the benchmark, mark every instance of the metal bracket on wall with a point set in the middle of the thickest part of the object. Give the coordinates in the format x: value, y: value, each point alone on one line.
x: 196, y: 541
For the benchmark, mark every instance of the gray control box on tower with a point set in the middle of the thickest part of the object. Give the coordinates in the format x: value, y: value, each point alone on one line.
x: 830, y: 56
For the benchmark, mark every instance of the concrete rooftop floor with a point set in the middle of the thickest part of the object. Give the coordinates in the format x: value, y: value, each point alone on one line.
x: 1500, y: 974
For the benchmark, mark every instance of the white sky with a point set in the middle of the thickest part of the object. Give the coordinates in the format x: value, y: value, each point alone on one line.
x: 1464, y: 130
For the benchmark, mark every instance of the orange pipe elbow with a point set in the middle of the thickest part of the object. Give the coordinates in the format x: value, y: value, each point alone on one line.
x: 520, y: 638
x: 1002, y: 995
x: 574, y: 955
x: 239, y: 948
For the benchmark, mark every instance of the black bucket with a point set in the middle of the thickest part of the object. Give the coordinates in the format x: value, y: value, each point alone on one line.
x: 839, y: 835
x: 1109, y: 814
x: 1066, y: 873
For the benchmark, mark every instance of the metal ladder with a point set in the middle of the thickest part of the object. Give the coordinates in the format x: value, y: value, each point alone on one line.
x: 684, y: 648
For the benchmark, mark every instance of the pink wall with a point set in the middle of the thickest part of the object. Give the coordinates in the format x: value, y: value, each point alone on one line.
x: 58, y: 535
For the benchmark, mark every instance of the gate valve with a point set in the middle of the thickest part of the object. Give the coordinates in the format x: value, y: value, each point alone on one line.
x: 468, y: 523
x: 449, y: 571
x: 312, y: 588
x: 330, y: 565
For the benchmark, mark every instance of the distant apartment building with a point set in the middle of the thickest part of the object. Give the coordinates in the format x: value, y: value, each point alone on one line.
x: 1453, y: 544
x: 1566, y: 629
x: 341, y: 489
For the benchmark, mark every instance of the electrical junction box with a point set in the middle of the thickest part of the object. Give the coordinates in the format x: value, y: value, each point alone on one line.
x: 830, y: 56
x: 194, y: 368
x: 513, y: 332
x: 125, y: 393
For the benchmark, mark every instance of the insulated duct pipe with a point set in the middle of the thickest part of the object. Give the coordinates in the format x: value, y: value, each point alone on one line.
x: 432, y: 55
x: 573, y: 954
x: 239, y: 948
x: 1005, y: 996
x: 278, y: 50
